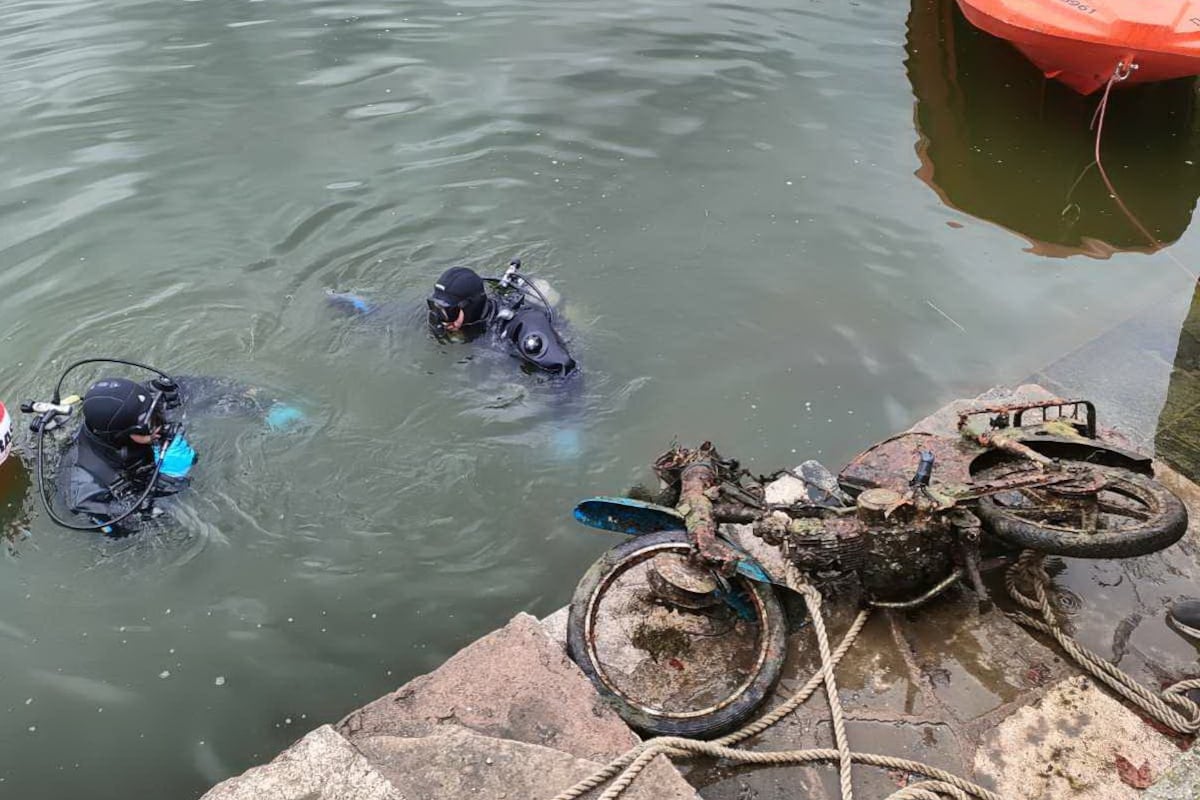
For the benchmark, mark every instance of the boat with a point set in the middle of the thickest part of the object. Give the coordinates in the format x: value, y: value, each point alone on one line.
x: 1085, y: 43
x: 998, y: 142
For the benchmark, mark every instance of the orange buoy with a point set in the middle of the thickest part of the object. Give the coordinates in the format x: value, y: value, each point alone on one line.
x: 1083, y: 42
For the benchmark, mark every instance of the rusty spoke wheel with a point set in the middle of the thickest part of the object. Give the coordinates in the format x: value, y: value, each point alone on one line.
x: 671, y: 668
x: 1108, y: 512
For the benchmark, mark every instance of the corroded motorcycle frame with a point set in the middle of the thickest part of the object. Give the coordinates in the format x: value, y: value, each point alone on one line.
x: 906, y: 517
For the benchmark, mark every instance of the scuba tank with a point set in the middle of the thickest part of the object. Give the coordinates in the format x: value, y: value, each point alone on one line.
x: 528, y: 329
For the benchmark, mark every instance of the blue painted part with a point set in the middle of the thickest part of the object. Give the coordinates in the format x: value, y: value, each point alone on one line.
x: 624, y: 515
x: 753, y: 571
x: 282, y: 416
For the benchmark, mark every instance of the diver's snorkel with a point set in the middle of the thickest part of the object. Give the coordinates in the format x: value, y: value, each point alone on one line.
x: 53, y: 413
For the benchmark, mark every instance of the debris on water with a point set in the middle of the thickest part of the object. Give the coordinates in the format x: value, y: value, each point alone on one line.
x: 219, y: 681
x: 166, y: 673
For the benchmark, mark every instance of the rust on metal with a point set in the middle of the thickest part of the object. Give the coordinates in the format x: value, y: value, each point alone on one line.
x: 1007, y: 415
x: 892, y: 463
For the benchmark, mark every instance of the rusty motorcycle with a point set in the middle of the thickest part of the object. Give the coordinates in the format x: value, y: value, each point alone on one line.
x: 680, y: 626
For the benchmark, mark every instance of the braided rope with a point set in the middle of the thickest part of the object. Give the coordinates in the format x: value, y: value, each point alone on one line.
x: 1171, y: 707
x: 784, y: 757
x: 800, y: 697
x: 939, y: 785
x: 929, y: 790
x: 812, y: 599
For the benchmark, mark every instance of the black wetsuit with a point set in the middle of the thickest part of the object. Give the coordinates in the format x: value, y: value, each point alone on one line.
x: 101, y: 481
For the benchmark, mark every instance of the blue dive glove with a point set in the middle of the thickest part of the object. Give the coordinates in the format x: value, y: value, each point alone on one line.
x: 177, y: 458
x: 349, y: 302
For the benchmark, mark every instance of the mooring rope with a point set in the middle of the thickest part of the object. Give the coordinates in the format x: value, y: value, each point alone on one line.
x: 1172, y: 708
x: 1120, y: 73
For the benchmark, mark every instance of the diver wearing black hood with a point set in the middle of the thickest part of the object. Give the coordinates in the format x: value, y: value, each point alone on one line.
x: 111, y: 460
x: 460, y: 304
x: 514, y: 311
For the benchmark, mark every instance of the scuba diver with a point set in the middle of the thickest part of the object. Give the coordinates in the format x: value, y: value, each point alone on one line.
x: 130, y: 451
x: 460, y: 308
x: 124, y: 456
x: 516, y: 315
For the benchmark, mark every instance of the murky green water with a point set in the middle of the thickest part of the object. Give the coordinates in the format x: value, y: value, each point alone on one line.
x: 725, y: 193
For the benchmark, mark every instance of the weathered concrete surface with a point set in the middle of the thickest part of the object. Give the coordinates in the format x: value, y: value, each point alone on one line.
x: 1181, y: 781
x: 1068, y: 745
x: 515, y: 683
x: 321, y: 766
x: 454, y: 764
x: 978, y: 663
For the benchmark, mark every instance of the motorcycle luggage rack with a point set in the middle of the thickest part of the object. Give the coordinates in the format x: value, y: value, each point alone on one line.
x: 1014, y: 414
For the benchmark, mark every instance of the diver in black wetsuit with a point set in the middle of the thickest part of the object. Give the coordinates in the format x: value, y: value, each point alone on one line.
x: 461, y: 306
x: 516, y: 314
x: 112, y: 460
x: 130, y: 451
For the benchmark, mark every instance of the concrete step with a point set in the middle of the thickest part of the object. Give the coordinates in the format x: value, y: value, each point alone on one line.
x: 515, y: 683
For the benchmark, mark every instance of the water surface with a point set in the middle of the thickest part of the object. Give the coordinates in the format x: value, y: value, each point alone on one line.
x: 725, y: 194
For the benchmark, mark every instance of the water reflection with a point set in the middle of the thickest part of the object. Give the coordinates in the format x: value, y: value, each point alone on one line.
x: 15, y: 491
x: 1000, y: 142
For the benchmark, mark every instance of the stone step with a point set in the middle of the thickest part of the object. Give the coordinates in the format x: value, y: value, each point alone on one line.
x: 454, y: 763
x: 321, y: 766
x: 515, y: 683
x: 449, y: 764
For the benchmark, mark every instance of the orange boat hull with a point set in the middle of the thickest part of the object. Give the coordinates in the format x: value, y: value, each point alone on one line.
x: 1082, y: 43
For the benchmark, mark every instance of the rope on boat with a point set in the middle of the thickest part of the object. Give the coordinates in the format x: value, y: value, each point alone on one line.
x: 1120, y: 73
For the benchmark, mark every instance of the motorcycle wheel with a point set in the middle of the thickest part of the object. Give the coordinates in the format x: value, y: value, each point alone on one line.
x: 669, y: 680
x: 1131, y: 515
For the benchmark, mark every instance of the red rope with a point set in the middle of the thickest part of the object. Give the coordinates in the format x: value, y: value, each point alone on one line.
x: 1098, y: 122
x: 1120, y: 73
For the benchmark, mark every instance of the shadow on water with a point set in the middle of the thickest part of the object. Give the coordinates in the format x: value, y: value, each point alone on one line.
x: 1002, y: 143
